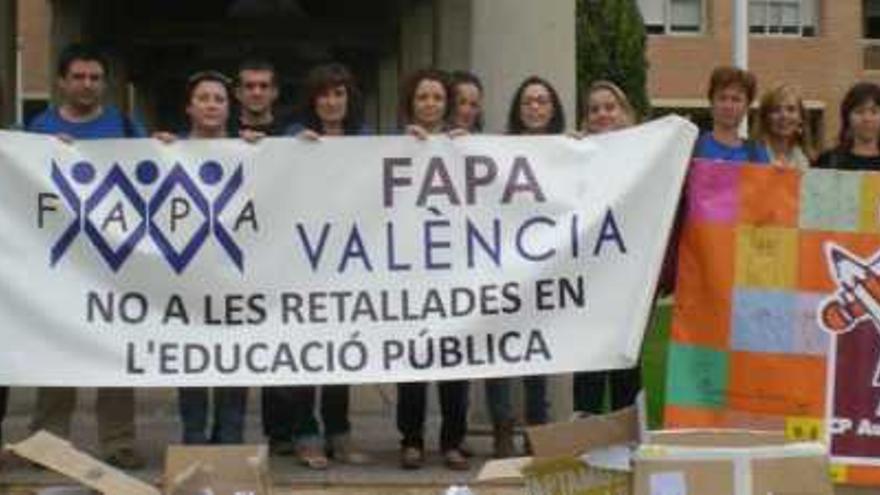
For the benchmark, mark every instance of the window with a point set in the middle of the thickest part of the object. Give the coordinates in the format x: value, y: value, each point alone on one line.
x: 672, y: 16
x: 783, y: 17
x: 32, y: 106
x: 871, y: 9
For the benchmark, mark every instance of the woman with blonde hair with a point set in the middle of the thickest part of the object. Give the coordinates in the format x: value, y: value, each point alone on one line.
x: 782, y: 127
x: 604, y: 108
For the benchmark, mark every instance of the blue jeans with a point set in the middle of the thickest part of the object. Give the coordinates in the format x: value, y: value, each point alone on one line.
x: 230, y: 405
x: 501, y: 409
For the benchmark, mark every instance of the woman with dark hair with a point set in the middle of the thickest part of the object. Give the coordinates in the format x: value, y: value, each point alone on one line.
x: 858, y: 144
x: 332, y: 104
x: 425, y: 106
x: 467, y: 118
x: 207, y: 111
x: 331, y: 107
x: 535, y: 109
x: 467, y: 102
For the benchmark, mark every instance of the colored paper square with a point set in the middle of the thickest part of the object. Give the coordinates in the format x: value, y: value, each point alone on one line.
x: 753, y: 421
x: 766, y: 257
x: 712, y: 192
x: 830, y: 200
x: 814, y: 274
x: 838, y: 473
x: 861, y: 475
x: 676, y: 416
x: 697, y: 376
x: 808, y: 336
x: 804, y: 429
x: 704, y: 290
x: 763, y: 321
x: 869, y: 205
x: 769, y: 196
x: 781, y: 384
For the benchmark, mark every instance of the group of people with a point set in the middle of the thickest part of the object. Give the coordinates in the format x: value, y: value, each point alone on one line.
x: 781, y: 134
x: 432, y: 102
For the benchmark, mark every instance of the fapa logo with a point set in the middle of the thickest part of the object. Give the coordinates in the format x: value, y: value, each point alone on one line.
x: 175, y: 212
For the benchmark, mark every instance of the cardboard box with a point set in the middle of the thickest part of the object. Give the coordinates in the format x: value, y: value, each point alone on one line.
x: 212, y: 470
x: 588, y: 456
x: 189, y: 470
x: 60, y: 455
x: 730, y: 462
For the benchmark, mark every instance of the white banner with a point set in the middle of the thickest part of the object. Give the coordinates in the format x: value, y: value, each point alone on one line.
x: 348, y: 260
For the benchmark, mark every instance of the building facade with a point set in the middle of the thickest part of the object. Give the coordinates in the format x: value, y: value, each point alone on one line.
x: 823, y: 46
x: 155, y: 45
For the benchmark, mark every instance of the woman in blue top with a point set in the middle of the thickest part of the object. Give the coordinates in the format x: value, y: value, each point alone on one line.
x: 731, y: 91
x: 331, y: 107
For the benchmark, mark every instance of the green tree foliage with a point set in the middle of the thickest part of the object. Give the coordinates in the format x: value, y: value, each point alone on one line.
x: 611, y: 45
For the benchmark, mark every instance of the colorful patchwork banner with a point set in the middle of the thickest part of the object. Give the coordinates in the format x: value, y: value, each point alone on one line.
x: 778, y: 309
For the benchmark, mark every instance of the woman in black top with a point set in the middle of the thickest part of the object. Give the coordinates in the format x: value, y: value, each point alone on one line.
x: 331, y: 107
x: 425, y: 105
x: 858, y: 144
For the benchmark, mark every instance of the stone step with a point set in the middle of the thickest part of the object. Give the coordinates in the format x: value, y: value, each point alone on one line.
x: 158, y: 426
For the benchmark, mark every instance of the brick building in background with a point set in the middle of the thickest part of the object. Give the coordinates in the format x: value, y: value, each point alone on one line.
x: 34, y: 21
x: 823, y: 46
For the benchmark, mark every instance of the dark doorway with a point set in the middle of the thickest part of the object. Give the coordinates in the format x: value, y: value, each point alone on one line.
x: 159, y: 43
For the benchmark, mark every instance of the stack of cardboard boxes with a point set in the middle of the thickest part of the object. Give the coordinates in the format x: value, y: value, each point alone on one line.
x: 613, y: 455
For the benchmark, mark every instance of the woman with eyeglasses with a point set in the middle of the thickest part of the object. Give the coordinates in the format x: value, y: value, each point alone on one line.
x: 534, y: 110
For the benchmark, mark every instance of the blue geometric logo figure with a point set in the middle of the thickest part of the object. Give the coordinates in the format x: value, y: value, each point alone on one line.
x: 179, y: 259
x: 220, y: 232
x: 73, y: 203
x: 115, y: 179
x: 147, y: 174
